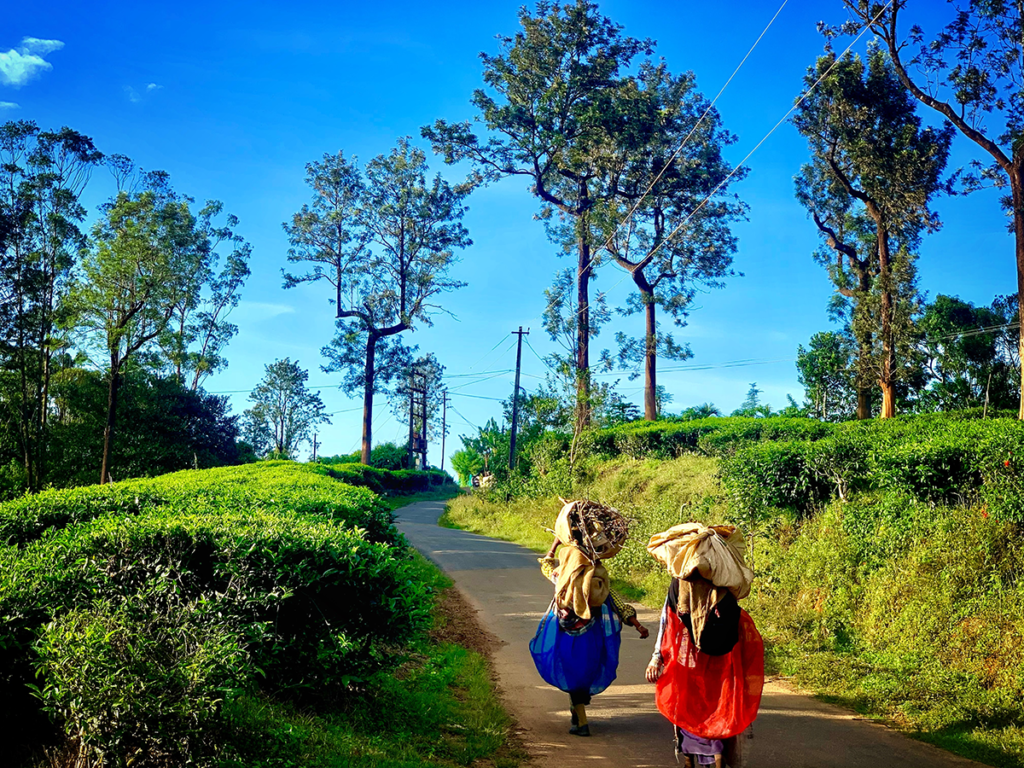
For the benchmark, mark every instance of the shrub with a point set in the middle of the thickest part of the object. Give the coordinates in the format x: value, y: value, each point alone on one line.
x: 317, y: 605
x: 772, y: 475
x: 138, y: 686
x: 266, y: 485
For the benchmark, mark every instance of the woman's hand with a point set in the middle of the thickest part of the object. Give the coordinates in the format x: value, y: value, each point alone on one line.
x: 654, y: 671
x: 635, y: 623
x: 554, y: 547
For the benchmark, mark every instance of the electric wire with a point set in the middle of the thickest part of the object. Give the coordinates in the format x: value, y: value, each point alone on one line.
x: 708, y: 367
x: 488, y: 354
x: 686, y: 140
x: 799, y: 101
x: 472, y: 383
x: 471, y: 424
x: 735, y: 170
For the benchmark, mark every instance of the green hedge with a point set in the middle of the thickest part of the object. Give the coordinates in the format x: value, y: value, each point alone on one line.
x: 269, y: 575
x: 127, y: 681
x: 932, y: 460
x: 668, y: 439
x: 402, y: 481
x: 251, y: 486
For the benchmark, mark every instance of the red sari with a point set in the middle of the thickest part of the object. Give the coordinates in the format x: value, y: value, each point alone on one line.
x: 714, y: 697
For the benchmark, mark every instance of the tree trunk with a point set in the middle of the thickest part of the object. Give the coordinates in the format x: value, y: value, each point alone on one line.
x: 885, y: 380
x: 863, y: 403
x: 863, y: 355
x: 108, y: 432
x: 583, y: 272
x: 368, y: 376
x: 650, y: 359
x: 1017, y: 188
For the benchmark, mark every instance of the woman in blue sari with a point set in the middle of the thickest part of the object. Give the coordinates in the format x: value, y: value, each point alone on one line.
x: 576, y: 648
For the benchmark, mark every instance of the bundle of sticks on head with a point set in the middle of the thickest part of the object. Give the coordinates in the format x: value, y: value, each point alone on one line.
x: 597, y: 530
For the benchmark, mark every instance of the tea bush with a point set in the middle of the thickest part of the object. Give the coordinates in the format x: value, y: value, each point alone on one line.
x: 128, y: 684
x: 271, y: 575
x: 252, y: 486
x: 930, y: 460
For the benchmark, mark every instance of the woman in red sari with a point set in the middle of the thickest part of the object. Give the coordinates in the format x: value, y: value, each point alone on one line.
x: 708, y: 661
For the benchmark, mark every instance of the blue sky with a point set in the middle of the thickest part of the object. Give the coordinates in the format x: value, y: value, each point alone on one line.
x: 233, y: 99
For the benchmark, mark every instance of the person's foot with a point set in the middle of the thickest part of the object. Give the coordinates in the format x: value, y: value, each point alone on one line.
x: 580, y: 730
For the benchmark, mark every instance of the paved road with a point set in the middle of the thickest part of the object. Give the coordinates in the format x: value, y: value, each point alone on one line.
x: 503, y: 582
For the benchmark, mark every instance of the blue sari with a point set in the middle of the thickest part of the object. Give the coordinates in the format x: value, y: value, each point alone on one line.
x: 581, y: 659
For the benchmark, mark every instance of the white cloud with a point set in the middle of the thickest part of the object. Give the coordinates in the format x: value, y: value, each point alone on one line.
x: 40, y: 47
x: 19, y: 65
x: 135, y: 95
x: 8, y: 105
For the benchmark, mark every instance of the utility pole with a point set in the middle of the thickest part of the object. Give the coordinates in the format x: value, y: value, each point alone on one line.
x: 314, y: 447
x: 417, y: 446
x: 444, y: 423
x: 515, y: 399
x: 412, y: 411
x: 423, y: 422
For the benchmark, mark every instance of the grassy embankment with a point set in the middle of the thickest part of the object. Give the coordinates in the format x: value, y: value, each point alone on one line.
x: 254, y: 616
x: 901, y: 597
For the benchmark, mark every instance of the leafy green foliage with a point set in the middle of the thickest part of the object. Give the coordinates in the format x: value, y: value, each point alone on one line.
x: 128, y: 683
x: 285, y: 408
x: 826, y: 370
x: 303, y: 575
x: 467, y: 463
x: 904, y: 601
x: 403, y: 481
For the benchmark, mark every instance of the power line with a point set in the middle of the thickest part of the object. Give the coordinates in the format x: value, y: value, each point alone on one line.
x: 471, y: 375
x: 476, y: 397
x: 693, y: 130
x: 479, y: 381
x: 680, y: 369
x: 975, y: 332
x: 488, y: 354
x: 542, y: 360
x: 471, y: 424
x: 799, y: 101
x: 740, y: 165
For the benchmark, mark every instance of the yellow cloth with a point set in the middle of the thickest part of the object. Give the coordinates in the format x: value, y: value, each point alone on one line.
x: 708, y: 561
x: 581, y: 584
x: 549, y: 567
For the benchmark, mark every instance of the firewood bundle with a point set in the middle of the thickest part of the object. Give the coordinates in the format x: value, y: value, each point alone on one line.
x: 597, y: 530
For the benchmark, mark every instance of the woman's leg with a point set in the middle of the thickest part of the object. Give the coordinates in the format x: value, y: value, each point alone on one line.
x: 579, y: 700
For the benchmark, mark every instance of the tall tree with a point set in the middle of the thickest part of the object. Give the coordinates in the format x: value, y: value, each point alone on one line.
x: 551, y: 113
x: 132, y: 282
x: 392, y: 238
x: 42, y: 175
x: 200, y: 330
x: 972, y: 73
x: 872, y: 175
x: 561, y: 318
x: 285, y: 407
x: 670, y: 219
